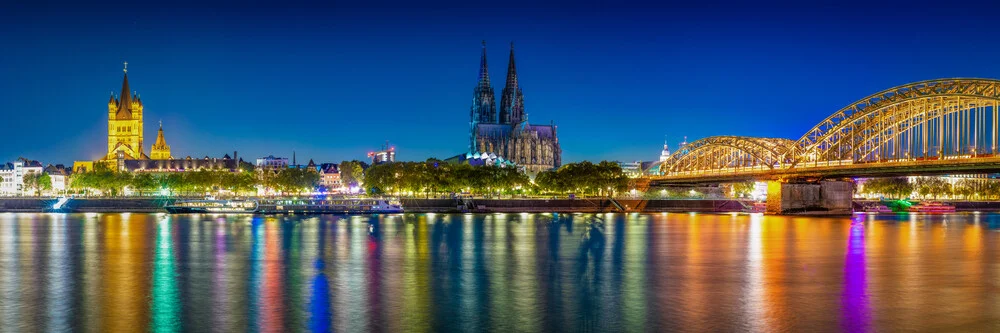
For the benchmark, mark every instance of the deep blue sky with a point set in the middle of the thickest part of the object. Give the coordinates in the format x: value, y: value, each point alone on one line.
x: 334, y: 81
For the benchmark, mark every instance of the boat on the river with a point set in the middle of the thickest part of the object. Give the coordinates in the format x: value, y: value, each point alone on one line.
x: 214, y: 206
x: 288, y: 205
x: 344, y: 205
x: 877, y: 208
x: 932, y: 207
x: 896, y: 206
x: 756, y: 207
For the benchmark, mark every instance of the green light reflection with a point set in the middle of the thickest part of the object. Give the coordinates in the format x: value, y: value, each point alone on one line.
x: 166, y: 306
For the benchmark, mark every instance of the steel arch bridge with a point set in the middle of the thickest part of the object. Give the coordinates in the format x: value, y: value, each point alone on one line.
x: 936, y: 126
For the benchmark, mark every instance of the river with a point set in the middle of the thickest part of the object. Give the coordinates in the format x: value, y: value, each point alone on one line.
x: 499, y: 272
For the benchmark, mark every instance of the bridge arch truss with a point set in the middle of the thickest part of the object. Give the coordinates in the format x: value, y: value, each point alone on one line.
x: 728, y: 154
x: 923, y: 121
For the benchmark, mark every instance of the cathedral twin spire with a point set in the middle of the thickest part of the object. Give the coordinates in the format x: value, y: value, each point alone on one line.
x: 511, y: 100
x: 483, y: 104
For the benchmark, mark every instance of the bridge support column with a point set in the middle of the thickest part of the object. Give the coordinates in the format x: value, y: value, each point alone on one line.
x: 824, y: 197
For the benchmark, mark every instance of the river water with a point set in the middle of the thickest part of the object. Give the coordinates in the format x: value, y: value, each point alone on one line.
x: 499, y: 272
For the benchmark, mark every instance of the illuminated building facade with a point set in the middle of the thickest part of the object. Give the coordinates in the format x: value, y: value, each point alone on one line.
x: 329, y: 176
x: 225, y: 163
x: 508, y: 134
x: 59, y: 175
x: 665, y: 154
x: 125, y: 140
x: 7, y: 184
x: 160, y: 149
x: 386, y: 154
x: 12, y: 175
x: 125, y: 124
x: 631, y: 169
x: 477, y: 159
x: 271, y: 162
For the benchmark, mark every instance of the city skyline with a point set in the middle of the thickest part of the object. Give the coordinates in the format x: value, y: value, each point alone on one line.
x: 333, y: 84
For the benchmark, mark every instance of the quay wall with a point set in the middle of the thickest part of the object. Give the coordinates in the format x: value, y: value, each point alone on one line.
x: 96, y: 205
x: 582, y: 205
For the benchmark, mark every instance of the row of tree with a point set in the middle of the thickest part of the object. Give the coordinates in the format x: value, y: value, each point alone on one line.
x: 352, y: 173
x: 399, y: 178
x: 604, y: 178
x: 195, y: 182
x: 932, y: 187
x: 37, y: 182
x: 433, y: 176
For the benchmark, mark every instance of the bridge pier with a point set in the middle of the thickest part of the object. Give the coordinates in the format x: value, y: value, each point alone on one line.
x: 824, y: 197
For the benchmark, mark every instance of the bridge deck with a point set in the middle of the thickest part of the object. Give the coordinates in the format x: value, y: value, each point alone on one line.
x: 876, y: 169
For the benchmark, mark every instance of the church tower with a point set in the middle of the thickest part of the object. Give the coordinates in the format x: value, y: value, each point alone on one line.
x: 483, y: 104
x: 125, y: 124
x: 483, y: 110
x: 512, y: 100
x: 160, y: 149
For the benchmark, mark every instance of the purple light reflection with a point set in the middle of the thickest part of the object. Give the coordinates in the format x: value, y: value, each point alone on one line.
x: 855, y: 308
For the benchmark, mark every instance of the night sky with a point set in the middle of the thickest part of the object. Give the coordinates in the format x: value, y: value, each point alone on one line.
x: 334, y: 81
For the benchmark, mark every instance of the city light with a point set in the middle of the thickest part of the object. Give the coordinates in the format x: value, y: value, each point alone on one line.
x: 59, y: 203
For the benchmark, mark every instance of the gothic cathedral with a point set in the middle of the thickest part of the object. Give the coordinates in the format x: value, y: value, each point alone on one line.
x: 508, y: 135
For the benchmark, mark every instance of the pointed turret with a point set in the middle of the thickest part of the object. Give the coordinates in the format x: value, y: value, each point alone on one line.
x: 512, y: 100
x: 159, y: 137
x: 484, y: 72
x: 483, y: 103
x: 160, y: 150
x: 665, y: 154
x: 511, y: 69
x: 125, y: 102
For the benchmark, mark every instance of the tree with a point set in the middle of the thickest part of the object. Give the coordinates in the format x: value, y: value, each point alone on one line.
x: 38, y: 182
x: 352, y: 174
x: 604, y: 178
x: 102, y: 179
x: 743, y: 189
x: 931, y: 186
x: 382, y: 178
x: 144, y: 182
x: 967, y: 188
x: 895, y: 187
x: 240, y: 182
x: 296, y: 180
x: 424, y: 178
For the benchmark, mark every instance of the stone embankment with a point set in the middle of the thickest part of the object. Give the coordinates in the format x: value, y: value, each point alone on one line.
x: 581, y: 205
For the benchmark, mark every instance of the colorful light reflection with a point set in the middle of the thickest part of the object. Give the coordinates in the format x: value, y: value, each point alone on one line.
x: 855, y: 308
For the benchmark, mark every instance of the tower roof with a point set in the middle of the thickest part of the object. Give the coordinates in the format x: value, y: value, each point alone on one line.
x: 125, y: 102
x: 511, y: 69
x: 484, y: 72
x: 160, y: 142
x: 511, y: 102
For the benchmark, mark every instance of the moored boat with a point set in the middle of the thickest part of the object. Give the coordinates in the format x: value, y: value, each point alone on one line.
x: 234, y: 206
x: 878, y: 208
x: 932, y: 207
x: 288, y: 205
x: 756, y: 207
x: 330, y: 206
